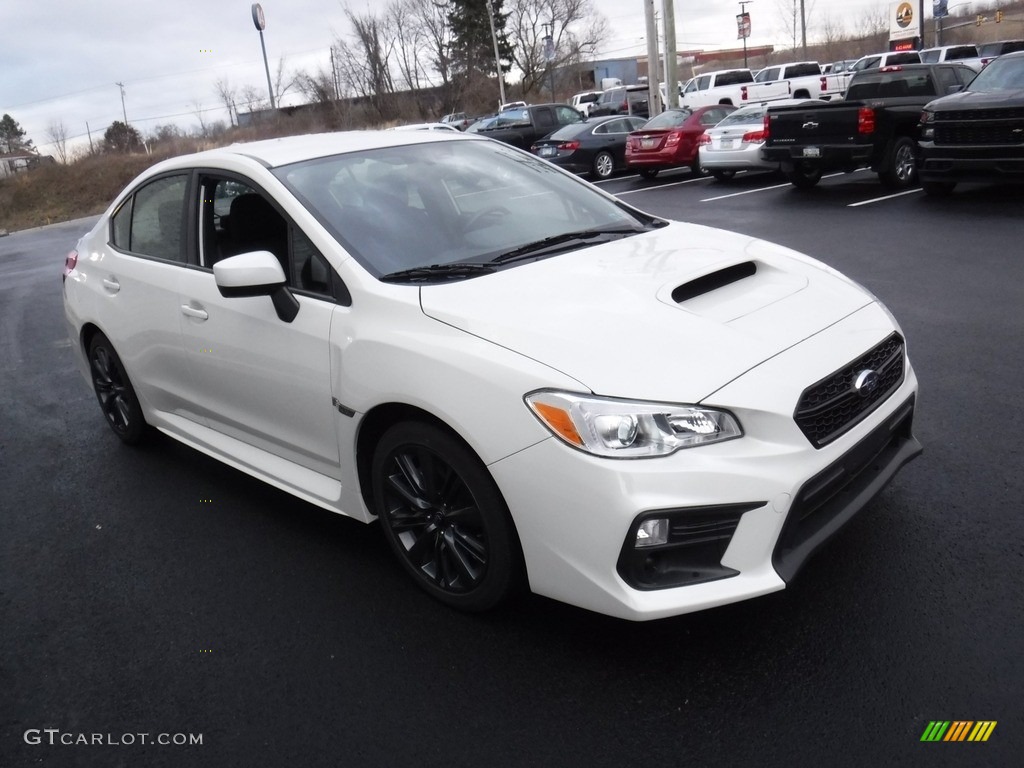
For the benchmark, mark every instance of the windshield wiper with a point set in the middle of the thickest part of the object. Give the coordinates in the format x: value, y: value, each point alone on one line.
x: 455, y: 270
x: 531, y: 249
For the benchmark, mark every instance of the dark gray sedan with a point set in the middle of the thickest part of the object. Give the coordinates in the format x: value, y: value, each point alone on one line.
x: 596, y: 146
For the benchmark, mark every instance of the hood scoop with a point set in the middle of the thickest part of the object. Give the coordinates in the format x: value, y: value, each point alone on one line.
x: 713, y: 281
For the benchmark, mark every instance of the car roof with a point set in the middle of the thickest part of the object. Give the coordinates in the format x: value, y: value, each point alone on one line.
x: 272, y: 153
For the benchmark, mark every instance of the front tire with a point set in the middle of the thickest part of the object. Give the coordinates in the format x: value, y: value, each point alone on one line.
x: 114, y: 391
x: 900, y: 170
x: 444, y: 517
x: 604, y: 165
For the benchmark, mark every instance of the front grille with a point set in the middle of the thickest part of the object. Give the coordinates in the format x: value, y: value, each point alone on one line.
x: 1003, y: 113
x: 979, y: 133
x: 832, y: 406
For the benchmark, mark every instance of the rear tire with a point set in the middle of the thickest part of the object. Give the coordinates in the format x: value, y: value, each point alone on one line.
x: 900, y: 170
x: 804, y: 176
x: 114, y: 391
x: 648, y: 173
x: 604, y: 165
x: 723, y: 175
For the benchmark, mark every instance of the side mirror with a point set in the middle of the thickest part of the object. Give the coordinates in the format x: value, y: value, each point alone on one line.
x: 257, y: 273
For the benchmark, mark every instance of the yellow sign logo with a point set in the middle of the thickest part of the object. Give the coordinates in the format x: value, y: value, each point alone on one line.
x: 904, y: 14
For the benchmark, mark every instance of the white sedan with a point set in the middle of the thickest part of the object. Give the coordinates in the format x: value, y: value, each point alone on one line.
x: 527, y: 381
x: 735, y: 143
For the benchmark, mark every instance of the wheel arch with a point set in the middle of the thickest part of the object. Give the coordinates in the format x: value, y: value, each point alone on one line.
x: 379, y: 420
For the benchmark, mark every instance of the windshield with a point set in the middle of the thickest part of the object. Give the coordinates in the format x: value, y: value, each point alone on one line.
x: 1000, y: 75
x: 670, y: 118
x: 437, y: 203
x: 745, y: 115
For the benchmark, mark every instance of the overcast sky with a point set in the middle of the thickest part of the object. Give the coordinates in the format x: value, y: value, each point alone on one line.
x: 61, y: 59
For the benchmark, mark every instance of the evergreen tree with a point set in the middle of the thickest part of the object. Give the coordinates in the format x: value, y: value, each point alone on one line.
x: 472, y: 45
x: 12, y: 136
x: 121, y: 138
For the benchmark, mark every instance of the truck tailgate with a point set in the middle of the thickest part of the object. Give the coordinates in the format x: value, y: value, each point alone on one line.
x: 820, y: 124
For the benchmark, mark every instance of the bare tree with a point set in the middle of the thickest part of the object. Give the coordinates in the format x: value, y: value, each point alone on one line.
x: 58, y: 136
x: 227, y: 95
x: 197, y: 110
x: 283, y: 81
x: 364, y: 63
x: 874, y: 22
x: 530, y: 21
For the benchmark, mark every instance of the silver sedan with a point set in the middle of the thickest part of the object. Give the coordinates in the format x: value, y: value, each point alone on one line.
x: 735, y: 143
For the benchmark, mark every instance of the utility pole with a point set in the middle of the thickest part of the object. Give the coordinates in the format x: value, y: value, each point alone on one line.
x: 803, y: 27
x: 123, y: 112
x: 668, y: 11
x: 653, y: 92
x: 497, y: 55
x: 88, y: 130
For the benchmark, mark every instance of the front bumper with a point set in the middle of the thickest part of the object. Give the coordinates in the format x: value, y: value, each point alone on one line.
x: 970, y: 163
x: 577, y: 515
x: 829, y: 158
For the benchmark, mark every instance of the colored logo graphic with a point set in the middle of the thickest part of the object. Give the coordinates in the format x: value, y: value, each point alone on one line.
x: 904, y: 15
x: 958, y: 730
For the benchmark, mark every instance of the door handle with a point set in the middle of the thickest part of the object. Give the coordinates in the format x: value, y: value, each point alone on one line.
x: 190, y: 311
x: 111, y: 284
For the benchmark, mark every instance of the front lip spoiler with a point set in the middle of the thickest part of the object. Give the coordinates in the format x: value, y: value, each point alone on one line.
x: 830, y: 499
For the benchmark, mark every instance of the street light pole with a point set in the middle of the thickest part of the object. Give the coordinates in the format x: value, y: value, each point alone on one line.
x: 497, y: 56
x: 260, y: 21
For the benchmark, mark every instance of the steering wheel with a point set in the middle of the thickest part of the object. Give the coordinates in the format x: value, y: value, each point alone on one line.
x: 476, y: 219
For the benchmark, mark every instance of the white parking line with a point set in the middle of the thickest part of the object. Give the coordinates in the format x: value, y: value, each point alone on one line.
x: 763, y: 189
x: 745, y: 192
x: 880, y: 199
x: 663, y: 186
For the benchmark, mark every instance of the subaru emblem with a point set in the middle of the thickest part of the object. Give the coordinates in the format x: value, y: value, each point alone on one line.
x: 866, y: 383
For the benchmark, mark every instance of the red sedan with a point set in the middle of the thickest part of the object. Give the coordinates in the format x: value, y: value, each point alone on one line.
x: 669, y: 140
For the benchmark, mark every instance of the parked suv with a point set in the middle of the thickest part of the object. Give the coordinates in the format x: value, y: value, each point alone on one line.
x: 887, y: 59
x: 989, y: 51
x: 622, y: 100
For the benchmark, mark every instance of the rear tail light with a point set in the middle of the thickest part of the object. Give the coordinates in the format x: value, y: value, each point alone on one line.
x: 765, y: 130
x: 569, y: 146
x: 673, y: 138
x: 755, y: 137
x: 743, y: 93
x: 865, y: 120
x: 704, y: 139
x: 70, y: 262
x: 824, y: 83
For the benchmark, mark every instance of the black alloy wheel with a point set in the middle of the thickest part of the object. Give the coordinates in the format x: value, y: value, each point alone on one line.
x: 901, y: 169
x: 444, y: 517
x: 114, y: 391
x: 604, y: 165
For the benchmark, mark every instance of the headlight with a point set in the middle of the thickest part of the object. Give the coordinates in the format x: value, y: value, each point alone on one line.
x: 628, y: 429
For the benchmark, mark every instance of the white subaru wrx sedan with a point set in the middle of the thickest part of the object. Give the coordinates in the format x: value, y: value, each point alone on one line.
x: 526, y: 380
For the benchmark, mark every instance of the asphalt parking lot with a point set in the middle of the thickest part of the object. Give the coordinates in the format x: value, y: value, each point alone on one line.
x: 157, y: 591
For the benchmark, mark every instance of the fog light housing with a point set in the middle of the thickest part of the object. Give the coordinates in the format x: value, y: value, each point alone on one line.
x: 652, y: 532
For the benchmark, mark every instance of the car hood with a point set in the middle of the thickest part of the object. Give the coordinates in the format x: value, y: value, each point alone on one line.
x: 673, y: 314
x: 972, y: 99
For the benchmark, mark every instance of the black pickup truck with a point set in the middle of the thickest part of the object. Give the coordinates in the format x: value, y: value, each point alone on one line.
x: 875, y: 125
x: 522, y: 126
x: 977, y: 134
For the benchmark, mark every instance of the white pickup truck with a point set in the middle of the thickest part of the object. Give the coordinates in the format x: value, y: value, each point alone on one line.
x: 806, y: 80
x: 729, y: 86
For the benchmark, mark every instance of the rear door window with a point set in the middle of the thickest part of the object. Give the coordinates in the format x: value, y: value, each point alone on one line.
x: 152, y: 221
